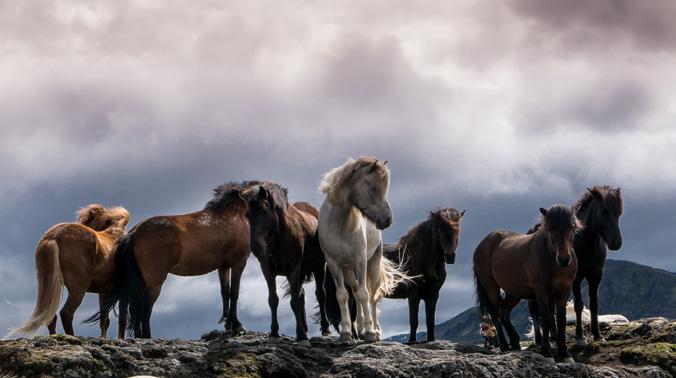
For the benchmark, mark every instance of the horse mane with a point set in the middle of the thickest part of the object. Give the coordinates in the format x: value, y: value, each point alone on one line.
x: 278, y: 194
x: 112, y: 220
x: 226, y: 193
x: 558, y: 217
x: 418, y: 241
x: 612, y: 197
x: 335, y: 182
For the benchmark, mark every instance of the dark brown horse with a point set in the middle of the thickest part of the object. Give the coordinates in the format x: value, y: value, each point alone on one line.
x: 424, y: 251
x: 198, y: 243
x: 79, y: 256
x: 599, y: 210
x: 284, y: 240
x: 538, y: 266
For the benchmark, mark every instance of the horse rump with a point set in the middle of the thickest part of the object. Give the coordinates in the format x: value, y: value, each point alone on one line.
x: 129, y: 289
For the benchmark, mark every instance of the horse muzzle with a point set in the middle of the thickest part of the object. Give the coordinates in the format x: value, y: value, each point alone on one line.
x: 615, y: 245
x: 563, y: 261
x: 449, y: 258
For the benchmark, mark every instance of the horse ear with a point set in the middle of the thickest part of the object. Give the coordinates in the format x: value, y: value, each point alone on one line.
x: 543, y: 211
x: 373, y: 166
x: 385, y: 162
x: 595, y: 193
x: 462, y: 213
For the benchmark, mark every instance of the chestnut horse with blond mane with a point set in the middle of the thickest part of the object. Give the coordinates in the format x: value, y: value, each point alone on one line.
x: 80, y: 256
x: 350, y: 222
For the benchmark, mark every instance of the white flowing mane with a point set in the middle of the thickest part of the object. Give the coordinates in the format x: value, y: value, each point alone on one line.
x: 334, y: 182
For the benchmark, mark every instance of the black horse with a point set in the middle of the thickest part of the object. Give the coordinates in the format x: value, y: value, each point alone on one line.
x: 284, y: 240
x: 422, y: 253
x: 599, y: 210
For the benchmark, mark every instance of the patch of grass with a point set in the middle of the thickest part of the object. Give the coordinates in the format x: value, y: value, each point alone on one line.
x: 660, y: 354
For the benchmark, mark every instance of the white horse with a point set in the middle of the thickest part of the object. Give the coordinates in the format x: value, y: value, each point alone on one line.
x: 350, y: 222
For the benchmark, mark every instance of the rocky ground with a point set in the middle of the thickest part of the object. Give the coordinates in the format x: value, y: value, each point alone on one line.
x: 643, y: 348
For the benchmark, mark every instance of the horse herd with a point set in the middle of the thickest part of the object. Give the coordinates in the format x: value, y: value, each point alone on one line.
x: 343, y: 238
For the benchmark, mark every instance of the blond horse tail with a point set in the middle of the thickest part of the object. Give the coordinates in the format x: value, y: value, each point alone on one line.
x: 391, y: 275
x: 50, y: 283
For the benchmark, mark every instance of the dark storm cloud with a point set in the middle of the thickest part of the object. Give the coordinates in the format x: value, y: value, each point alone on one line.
x: 602, y: 24
x: 107, y: 106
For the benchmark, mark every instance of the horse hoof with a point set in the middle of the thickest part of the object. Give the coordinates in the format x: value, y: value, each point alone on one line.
x: 346, y: 336
x: 581, y: 342
x: 599, y: 340
x: 273, y: 339
x: 305, y: 343
x: 326, y: 333
x: 550, y: 359
x: 567, y: 360
x: 370, y: 337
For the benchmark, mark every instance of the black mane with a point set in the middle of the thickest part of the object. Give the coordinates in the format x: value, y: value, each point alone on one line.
x: 419, y: 245
x: 611, y: 197
x: 224, y: 194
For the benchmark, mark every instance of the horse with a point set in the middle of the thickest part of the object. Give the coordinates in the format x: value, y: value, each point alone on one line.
x: 599, y: 209
x: 284, y: 240
x: 540, y: 266
x: 80, y: 256
x: 423, y: 253
x: 214, y: 238
x: 351, y: 218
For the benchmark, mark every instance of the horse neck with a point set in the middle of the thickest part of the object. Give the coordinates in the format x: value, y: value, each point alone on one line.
x: 588, y: 233
x: 416, y: 245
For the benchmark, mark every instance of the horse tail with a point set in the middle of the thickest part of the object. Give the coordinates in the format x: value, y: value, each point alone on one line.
x: 481, y: 296
x: 50, y: 283
x: 129, y: 288
x: 391, y: 275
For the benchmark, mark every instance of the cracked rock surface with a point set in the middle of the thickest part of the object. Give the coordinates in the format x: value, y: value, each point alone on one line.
x: 642, y: 348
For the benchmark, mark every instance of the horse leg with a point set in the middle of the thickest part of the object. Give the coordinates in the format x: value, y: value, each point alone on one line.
x: 543, y: 308
x: 430, y: 311
x: 532, y: 308
x: 153, y: 293
x: 580, y: 340
x: 342, y: 298
x: 413, y: 307
x: 320, y: 295
x: 104, y: 322
x: 52, y: 326
x: 373, y: 281
x: 562, y: 352
x: 295, y: 281
x: 507, y: 305
x: 122, y: 309
x: 68, y: 311
x: 363, y: 297
x: 224, y: 278
x: 351, y: 281
x: 594, y: 283
x: 273, y: 302
x: 232, y: 323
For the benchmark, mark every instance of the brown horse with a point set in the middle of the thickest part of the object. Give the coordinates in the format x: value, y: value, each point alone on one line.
x: 284, y: 240
x: 80, y: 256
x: 539, y: 266
x: 194, y: 244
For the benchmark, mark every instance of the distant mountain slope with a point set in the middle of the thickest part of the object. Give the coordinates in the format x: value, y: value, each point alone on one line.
x: 633, y: 290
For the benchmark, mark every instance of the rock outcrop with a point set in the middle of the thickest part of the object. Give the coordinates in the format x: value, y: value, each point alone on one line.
x: 641, y: 348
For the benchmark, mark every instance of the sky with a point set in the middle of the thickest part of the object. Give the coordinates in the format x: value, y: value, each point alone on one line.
x: 497, y: 108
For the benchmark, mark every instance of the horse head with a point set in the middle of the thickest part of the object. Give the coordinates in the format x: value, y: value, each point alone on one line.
x: 559, y: 225
x: 446, y: 229
x: 604, y: 217
x: 265, y: 207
